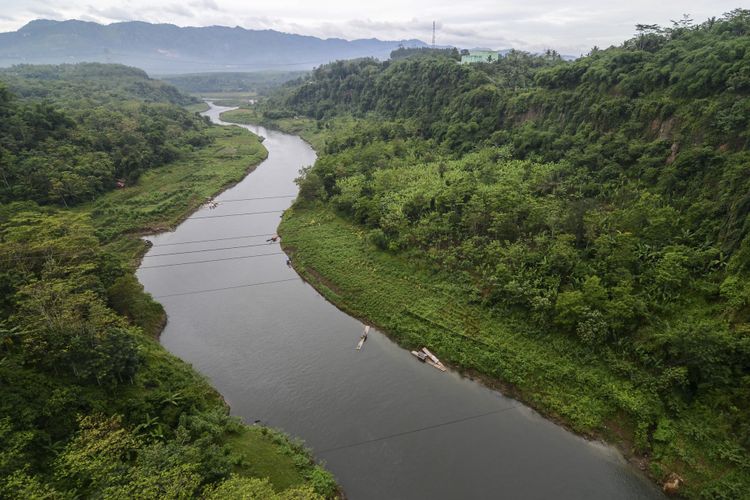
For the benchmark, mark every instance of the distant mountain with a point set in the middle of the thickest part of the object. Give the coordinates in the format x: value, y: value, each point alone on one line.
x: 169, y: 49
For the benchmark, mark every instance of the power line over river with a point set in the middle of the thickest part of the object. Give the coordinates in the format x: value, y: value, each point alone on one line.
x: 387, y: 426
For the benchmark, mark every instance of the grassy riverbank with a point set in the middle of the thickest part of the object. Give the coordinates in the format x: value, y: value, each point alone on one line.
x: 576, y: 230
x: 592, y: 392
x: 198, y: 107
x: 553, y: 374
x: 419, y: 308
x: 161, y: 199
x: 164, y: 196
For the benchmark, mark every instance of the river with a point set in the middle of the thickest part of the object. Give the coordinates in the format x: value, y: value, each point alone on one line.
x: 387, y: 426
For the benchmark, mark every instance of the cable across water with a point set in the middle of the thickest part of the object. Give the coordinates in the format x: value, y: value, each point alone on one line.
x: 414, y: 431
x: 212, y: 260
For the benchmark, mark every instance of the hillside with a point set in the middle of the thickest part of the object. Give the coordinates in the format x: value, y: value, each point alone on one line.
x: 90, y: 82
x: 577, y: 231
x: 168, y: 49
x: 91, y: 405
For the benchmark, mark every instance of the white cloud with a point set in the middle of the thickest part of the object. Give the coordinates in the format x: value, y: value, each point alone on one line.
x: 176, y: 9
x: 112, y: 13
x: 205, y: 4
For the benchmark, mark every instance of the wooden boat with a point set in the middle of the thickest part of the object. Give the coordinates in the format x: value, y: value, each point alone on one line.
x: 430, y: 355
x: 420, y: 356
x: 439, y: 366
x: 432, y: 360
x: 363, y: 337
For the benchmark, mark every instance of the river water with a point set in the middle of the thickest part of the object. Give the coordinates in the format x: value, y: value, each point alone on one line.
x: 386, y: 425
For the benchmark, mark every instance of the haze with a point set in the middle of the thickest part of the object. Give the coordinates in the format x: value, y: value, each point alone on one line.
x: 571, y: 28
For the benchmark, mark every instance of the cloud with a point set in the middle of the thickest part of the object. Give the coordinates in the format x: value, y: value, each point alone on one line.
x: 91, y: 19
x: 205, y: 4
x: 45, y: 13
x: 111, y: 13
x: 177, y: 9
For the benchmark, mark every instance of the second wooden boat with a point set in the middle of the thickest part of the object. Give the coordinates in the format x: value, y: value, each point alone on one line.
x: 363, y: 337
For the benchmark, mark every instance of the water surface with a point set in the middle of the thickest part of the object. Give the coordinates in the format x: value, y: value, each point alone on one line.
x: 386, y: 425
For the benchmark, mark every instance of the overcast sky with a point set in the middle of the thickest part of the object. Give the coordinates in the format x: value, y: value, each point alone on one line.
x: 571, y: 27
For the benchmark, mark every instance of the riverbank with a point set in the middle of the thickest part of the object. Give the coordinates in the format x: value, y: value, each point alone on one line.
x: 162, y: 198
x: 392, y: 366
x: 306, y: 128
x: 334, y: 256
x: 419, y: 308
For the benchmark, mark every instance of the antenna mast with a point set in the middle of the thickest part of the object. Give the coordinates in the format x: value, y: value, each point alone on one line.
x: 433, y: 34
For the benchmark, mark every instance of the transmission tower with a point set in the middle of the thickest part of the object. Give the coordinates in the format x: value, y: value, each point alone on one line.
x: 433, y: 34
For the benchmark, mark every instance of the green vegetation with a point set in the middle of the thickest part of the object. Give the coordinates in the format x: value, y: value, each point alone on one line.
x: 198, y: 107
x: 230, y: 98
x: 309, y: 129
x: 266, y: 453
x: 244, y: 115
x: 257, y: 82
x: 576, y: 230
x: 88, y: 84
x: 163, y: 197
x: 90, y: 404
x: 404, y: 52
x: 77, y: 142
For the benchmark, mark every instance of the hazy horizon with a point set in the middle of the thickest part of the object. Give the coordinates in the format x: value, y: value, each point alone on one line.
x: 570, y: 29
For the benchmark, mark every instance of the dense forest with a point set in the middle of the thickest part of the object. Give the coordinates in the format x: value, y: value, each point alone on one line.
x: 68, y: 133
x: 404, y: 52
x: 90, y: 404
x: 600, y: 205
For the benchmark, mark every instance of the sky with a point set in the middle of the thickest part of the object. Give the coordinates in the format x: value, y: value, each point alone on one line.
x: 572, y: 27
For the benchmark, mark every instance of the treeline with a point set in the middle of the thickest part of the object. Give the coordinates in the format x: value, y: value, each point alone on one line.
x: 91, y: 406
x: 604, y: 199
x: 257, y: 81
x: 70, y: 133
x: 89, y: 82
x: 404, y: 52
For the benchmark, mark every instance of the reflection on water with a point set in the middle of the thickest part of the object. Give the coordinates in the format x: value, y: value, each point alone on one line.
x: 386, y: 425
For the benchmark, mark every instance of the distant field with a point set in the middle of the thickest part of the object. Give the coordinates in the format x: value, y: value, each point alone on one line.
x: 244, y: 116
x: 232, y: 85
x: 234, y: 99
x: 198, y: 107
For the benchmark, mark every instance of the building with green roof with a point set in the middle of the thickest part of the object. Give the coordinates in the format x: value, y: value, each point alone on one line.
x: 477, y: 56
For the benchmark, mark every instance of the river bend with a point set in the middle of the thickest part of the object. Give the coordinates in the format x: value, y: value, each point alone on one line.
x: 386, y: 425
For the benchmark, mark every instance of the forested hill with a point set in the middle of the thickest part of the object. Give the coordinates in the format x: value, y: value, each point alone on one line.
x: 67, y: 83
x: 69, y: 133
x: 599, y: 205
x: 169, y: 49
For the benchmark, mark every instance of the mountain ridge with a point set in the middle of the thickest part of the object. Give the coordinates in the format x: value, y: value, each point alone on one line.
x: 166, y: 48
